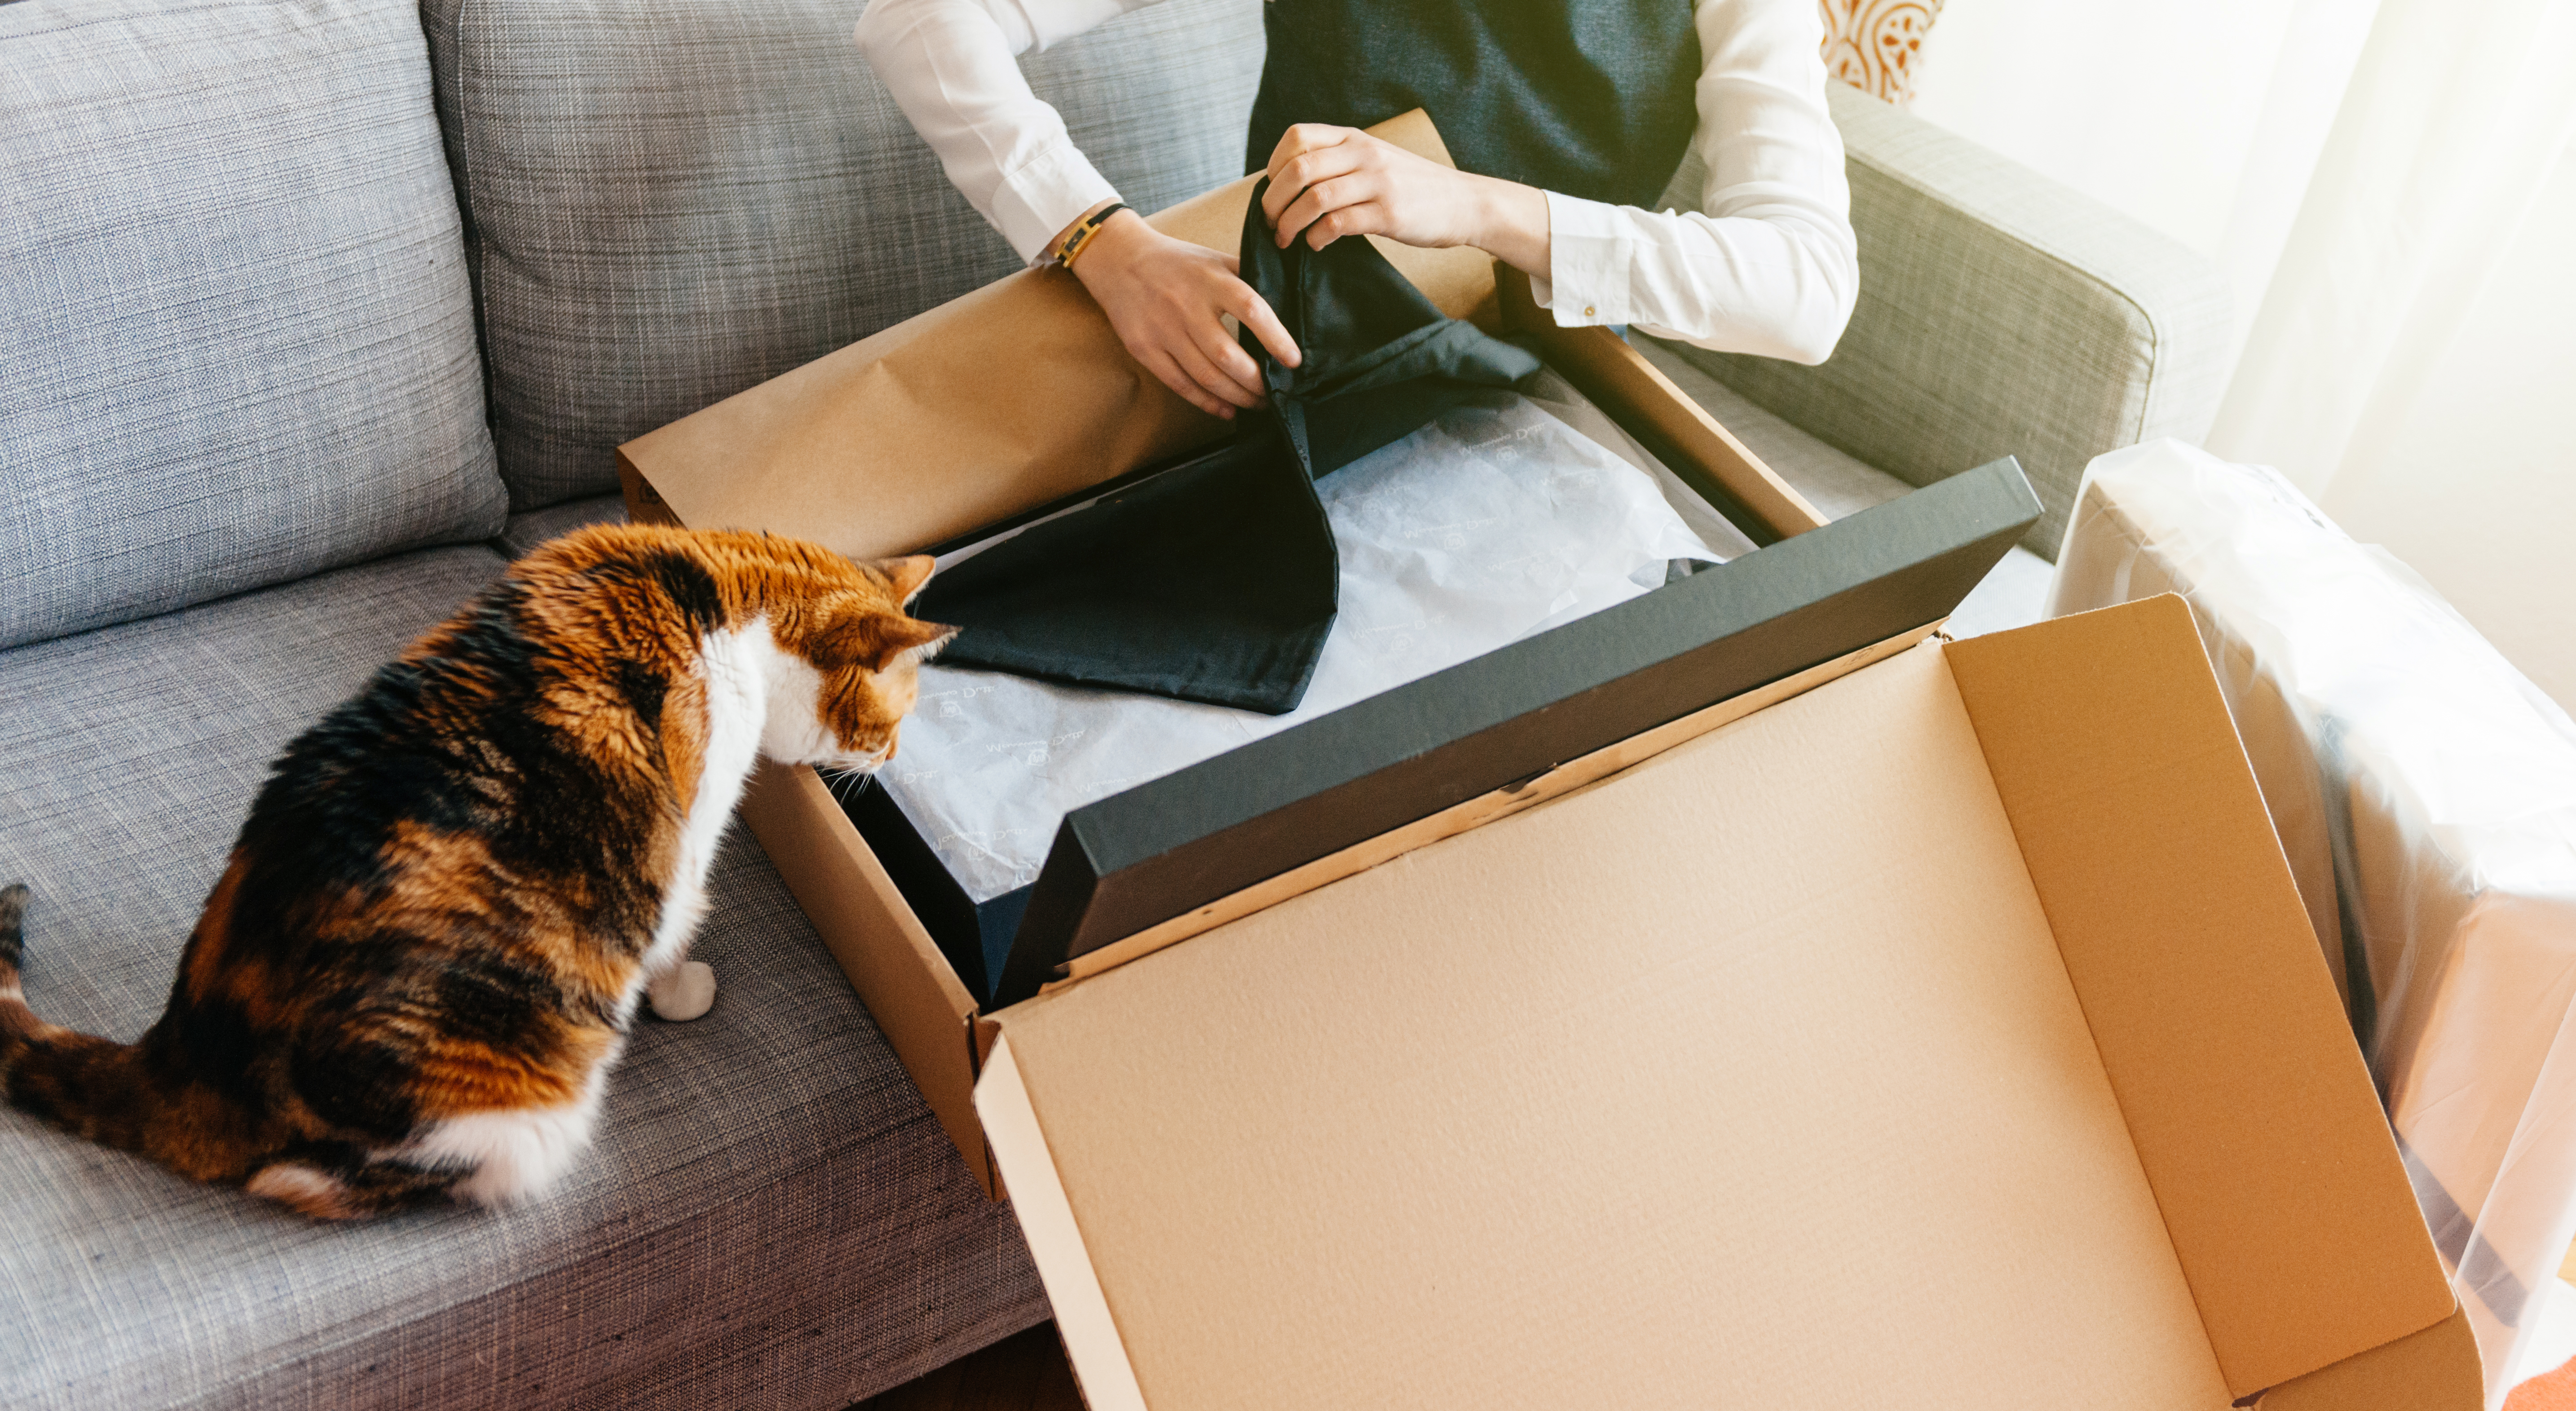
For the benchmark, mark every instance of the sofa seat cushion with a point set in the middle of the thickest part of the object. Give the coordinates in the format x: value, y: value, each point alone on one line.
x: 771, y: 1216
x: 234, y: 317
x: 667, y: 201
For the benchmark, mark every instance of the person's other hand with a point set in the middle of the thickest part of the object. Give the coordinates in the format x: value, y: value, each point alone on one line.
x: 1168, y: 300
x: 1327, y: 182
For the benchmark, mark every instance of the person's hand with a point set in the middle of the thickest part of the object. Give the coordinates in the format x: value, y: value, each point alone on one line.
x: 1327, y: 182
x: 1168, y: 300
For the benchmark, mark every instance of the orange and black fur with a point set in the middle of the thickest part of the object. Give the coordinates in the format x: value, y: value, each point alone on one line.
x: 433, y: 932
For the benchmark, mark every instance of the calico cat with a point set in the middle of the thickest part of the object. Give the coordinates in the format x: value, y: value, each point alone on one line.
x: 423, y: 957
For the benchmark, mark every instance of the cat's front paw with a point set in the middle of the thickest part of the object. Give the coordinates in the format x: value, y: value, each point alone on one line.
x: 684, y: 992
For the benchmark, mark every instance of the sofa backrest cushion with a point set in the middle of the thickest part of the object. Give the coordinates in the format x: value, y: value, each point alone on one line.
x: 668, y: 201
x: 236, y: 337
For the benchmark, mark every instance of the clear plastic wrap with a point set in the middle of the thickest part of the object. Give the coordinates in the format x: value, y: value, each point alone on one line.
x: 1493, y: 523
x: 2426, y: 795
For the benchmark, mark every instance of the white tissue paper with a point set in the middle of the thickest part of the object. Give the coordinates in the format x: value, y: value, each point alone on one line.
x: 1495, y: 522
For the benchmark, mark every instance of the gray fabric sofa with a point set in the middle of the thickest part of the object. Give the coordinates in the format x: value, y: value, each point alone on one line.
x: 313, y: 311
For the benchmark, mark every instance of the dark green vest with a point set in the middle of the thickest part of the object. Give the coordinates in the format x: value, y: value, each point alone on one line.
x: 1589, y: 97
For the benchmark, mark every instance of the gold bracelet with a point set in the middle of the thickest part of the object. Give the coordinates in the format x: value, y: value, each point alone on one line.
x: 1080, y: 239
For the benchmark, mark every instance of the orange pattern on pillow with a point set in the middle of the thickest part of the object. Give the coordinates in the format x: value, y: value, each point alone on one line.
x: 2550, y: 1391
x: 1875, y: 45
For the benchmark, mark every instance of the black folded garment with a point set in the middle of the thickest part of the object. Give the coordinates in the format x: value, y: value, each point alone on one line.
x: 1216, y: 580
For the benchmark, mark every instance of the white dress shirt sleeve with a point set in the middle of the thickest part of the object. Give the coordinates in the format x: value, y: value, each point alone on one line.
x: 953, y: 67
x: 1768, y: 264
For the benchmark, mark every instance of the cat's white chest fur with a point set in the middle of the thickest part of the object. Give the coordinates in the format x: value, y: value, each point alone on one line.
x: 759, y: 700
x: 738, y: 667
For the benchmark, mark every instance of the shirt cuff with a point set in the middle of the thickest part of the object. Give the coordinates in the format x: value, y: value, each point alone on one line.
x: 1044, y: 195
x: 1587, y: 263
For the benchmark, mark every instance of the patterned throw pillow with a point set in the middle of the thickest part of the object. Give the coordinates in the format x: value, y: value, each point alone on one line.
x: 1874, y: 45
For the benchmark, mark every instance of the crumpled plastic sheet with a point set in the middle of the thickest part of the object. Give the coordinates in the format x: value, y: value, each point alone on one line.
x: 2425, y: 792
x: 1495, y: 522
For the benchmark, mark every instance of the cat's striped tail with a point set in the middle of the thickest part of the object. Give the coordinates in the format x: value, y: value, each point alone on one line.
x: 16, y: 1019
x: 101, y: 1089
x: 79, y: 1081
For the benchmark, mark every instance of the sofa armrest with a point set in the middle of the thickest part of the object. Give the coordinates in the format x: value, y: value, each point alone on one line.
x: 2000, y: 314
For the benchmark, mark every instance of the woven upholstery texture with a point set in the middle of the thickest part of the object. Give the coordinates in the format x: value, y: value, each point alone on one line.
x: 2000, y: 314
x: 771, y: 1217
x: 668, y: 201
x: 236, y: 337
x: 527, y: 530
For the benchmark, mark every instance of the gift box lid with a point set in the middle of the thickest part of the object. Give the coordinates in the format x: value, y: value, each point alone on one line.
x: 1949, y: 1032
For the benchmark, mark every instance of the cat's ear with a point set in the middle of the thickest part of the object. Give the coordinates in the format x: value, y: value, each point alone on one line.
x: 907, y: 574
x: 906, y: 635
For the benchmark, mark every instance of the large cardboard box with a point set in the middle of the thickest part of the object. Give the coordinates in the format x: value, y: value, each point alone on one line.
x: 1893, y: 1023
x: 1947, y: 1036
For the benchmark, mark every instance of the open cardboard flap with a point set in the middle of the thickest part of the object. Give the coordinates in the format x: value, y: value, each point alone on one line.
x: 1950, y: 1035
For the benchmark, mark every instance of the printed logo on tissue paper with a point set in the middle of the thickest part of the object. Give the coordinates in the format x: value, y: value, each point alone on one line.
x: 1397, y: 638
x: 1035, y: 752
x: 951, y: 705
x: 1453, y: 535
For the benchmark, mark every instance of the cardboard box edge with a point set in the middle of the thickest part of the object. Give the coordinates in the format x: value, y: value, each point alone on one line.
x: 918, y: 1003
x: 2432, y: 1369
x: 644, y: 505
x: 1090, y: 1331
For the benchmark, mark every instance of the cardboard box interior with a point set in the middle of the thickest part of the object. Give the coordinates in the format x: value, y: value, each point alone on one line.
x: 1951, y: 1030
x: 1948, y: 1025
x: 939, y: 1027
